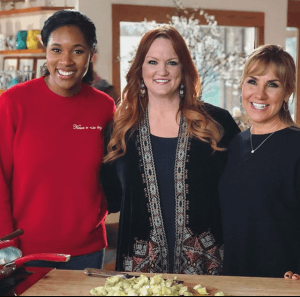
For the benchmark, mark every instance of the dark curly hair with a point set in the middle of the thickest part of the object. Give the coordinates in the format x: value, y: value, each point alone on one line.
x: 69, y: 17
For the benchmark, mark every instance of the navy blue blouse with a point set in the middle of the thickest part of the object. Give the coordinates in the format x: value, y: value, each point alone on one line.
x: 260, y: 203
x: 164, y: 153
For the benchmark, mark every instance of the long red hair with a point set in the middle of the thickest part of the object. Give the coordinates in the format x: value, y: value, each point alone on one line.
x: 132, y: 109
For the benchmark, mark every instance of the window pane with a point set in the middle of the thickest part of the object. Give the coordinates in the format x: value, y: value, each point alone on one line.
x: 224, y: 92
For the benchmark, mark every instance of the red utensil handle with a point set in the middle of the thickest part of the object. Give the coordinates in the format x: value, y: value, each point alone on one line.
x: 5, y: 244
x: 43, y: 257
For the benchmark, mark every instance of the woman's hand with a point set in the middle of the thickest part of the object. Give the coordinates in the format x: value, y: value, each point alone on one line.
x: 292, y: 276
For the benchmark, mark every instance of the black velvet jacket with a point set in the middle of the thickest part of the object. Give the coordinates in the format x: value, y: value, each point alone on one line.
x: 141, y: 237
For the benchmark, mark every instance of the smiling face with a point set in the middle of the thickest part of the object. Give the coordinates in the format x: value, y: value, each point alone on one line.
x: 162, y: 72
x: 68, y: 58
x: 263, y: 97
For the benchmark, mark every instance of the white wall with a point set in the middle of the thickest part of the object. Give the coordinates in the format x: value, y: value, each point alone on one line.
x: 100, y: 12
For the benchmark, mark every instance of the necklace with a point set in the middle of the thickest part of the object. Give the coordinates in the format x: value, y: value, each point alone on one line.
x: 252, y: 150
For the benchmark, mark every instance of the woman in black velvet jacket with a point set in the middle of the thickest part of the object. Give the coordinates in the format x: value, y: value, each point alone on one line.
x: 165, y: 156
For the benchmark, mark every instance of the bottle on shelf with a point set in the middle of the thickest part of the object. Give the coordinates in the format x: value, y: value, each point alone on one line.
x: 26, y: 4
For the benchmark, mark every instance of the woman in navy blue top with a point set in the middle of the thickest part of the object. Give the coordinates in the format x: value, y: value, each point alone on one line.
x: 260, y: 187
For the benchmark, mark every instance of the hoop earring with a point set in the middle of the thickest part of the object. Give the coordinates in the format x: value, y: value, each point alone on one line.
x: 181, y: 91
x: 284, y: 108
x: 143, y: 89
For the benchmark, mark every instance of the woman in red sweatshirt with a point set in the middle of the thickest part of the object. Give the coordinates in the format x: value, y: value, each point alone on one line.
x: 51, y: 140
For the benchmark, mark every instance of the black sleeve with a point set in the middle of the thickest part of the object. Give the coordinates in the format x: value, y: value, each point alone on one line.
x: 224, y: 118
x: 231, y: 129
x: 109, y: 179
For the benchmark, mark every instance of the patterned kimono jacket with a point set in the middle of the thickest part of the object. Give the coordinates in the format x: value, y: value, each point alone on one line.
x: 130, y: 186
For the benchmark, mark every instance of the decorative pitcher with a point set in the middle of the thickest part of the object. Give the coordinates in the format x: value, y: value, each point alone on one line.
x: 33, y: 41
x: 21, y: 40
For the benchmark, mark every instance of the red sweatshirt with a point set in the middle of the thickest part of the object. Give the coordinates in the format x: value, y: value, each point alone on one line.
x: 51, y: 149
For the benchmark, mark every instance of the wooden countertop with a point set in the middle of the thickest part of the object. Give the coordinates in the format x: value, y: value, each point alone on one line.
x: 75, y: 283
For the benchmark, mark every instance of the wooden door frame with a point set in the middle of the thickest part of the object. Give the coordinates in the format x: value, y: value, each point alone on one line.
x: 294, y: 21
x: 138, y: 13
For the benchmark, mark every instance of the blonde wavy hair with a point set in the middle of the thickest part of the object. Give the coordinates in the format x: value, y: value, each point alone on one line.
x: 285, y: 69
x: 132, y: 109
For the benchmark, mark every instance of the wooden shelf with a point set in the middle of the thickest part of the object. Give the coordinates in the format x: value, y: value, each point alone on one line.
x: 23, y: 51
x: 32, y: 9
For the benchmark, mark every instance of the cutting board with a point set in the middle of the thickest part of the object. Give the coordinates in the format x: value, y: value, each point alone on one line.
x: 75, y: 283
